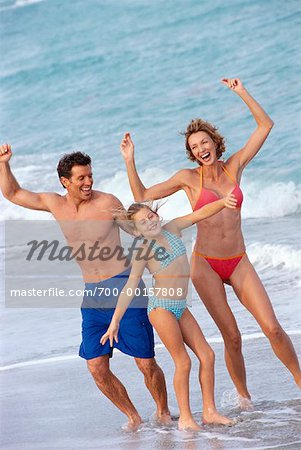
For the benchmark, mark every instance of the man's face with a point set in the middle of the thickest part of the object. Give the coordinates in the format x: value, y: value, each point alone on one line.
x: 80, y: 183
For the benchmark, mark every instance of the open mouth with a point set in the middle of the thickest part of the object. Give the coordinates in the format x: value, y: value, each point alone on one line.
x: 152, y: 227
x: 86, y: 190
x: 206, y: 156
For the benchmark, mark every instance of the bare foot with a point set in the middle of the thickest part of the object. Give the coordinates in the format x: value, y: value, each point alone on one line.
x: 213, y: 417
x: 188, y: 425
x: 163, y: 418
x: 133, y: 424
x: 245, y: 403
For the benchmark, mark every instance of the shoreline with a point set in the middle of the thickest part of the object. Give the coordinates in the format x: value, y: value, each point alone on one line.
x: 59, y: 358
x: 57, y: 406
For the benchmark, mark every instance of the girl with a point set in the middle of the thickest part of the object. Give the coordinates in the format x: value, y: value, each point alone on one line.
x: 167, y: 309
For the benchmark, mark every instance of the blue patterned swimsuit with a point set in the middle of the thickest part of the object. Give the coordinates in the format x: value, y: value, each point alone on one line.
x: 176, y: 307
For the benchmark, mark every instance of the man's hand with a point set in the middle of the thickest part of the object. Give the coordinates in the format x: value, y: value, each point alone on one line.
x: 5, y: 153
x: 127, y: 147
x: 234, y: 84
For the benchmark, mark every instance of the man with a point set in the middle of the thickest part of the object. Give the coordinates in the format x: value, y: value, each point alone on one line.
x: 87, y: 216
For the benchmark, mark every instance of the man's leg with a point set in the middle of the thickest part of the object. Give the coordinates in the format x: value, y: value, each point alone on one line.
x: 113, y: 389
x: 155, y: 382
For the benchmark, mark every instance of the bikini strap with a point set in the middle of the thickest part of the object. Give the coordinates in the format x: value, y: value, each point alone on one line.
x: 229, y: 175
x: 201, y: 178
x: 162, y: 267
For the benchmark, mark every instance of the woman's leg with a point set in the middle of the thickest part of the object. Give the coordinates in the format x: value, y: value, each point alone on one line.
x: 212, y: 292
x: 170, y: 334
x: 195, y: 339
x: 253, y: 296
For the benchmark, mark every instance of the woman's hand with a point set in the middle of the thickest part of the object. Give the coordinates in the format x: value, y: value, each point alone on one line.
x: 127, y: 147
x: 234, y: 84
x: 111, y: 334
x: 230, y: 201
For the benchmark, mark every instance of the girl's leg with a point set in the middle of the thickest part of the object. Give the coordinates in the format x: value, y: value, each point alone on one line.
x: 212, y: 292
x: 195, y: 339
x: 170, y: 334
x: 253, y: 296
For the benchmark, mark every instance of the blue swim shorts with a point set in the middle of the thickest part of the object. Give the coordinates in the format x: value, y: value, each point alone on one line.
x: 135, y: 336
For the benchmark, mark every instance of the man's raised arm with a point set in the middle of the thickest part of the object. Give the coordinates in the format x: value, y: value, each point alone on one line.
x: 11, y: 189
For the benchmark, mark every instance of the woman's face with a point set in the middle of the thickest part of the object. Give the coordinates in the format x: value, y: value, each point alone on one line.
x: 203, y: 148
x: 147, y: 223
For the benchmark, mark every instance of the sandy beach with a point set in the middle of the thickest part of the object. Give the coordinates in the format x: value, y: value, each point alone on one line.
x: 53, y: 404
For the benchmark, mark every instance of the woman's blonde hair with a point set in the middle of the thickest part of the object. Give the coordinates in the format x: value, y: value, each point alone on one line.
x: 136, y: 207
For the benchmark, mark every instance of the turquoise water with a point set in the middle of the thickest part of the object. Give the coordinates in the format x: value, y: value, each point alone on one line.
x: 77, y: 75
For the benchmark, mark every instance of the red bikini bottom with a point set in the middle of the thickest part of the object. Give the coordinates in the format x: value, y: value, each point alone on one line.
x: 224, y: 267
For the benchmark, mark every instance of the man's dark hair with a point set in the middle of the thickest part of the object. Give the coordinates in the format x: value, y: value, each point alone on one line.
x: 70, y: 160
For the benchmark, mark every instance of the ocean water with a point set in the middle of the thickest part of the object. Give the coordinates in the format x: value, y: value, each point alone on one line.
x: 75, y: 75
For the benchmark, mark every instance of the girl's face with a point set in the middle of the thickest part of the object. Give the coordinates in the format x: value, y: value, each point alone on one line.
x: 147, y: 223
x: 203, y: 148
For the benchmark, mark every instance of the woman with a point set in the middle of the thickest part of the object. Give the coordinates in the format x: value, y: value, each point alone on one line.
x: 164, y: 255
x: 219, y: 253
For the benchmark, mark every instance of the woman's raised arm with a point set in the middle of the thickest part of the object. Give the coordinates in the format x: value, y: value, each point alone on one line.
x: 140, y: 192
x: 264, y: 125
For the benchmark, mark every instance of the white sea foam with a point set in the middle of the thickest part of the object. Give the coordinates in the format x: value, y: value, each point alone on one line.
x: 261, y: 201
x: 54, y: 359
x: 176, y: 205
x: 224, y: 437
x: 294, y: 445
x: 274, y: 200
x: 9, y: 211
x: 265, y: 256
x: 20, y: 4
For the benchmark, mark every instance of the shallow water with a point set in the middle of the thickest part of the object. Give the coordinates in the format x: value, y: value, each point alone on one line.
x: 55, y: 404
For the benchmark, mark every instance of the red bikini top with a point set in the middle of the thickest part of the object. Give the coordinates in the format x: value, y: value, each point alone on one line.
x: 206, y: 196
